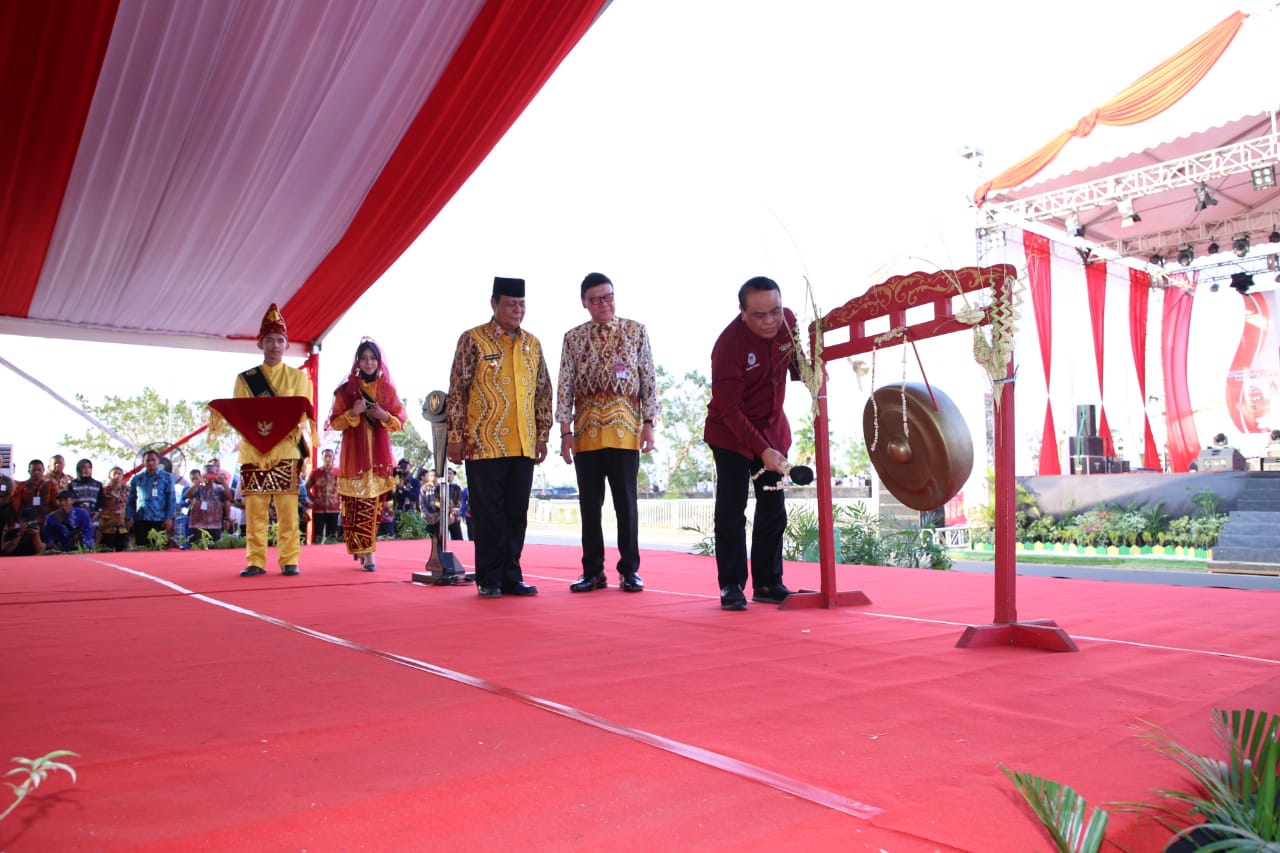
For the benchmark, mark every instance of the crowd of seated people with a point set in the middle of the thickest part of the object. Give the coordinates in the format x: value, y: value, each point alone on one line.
x: 52, y: 511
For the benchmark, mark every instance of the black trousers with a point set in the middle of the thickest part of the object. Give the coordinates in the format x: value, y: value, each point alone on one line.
x: 733, y: 477
x: 499, y: 515
x: 324, y: 527
x: 142, y: 528
x: 619, y: 468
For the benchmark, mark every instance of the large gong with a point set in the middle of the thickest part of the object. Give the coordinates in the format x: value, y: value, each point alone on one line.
x: 926, y: 464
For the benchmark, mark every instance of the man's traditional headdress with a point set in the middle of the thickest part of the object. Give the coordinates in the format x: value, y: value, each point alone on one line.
x: 508, y: 287
x: 272, y: 323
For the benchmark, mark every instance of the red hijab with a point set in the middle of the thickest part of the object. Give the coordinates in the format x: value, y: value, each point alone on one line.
x: 356, y: 456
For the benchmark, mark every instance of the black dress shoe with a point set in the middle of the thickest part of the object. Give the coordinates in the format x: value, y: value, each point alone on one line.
x: 632, y: 583
x: 587, y: 584
x: 370, y: 567
x: 253, y: 572
x: 489, y: 592
x: 731, y: 598
x: 771, y: 594
x: 289, y: 570
x: 521, y: 588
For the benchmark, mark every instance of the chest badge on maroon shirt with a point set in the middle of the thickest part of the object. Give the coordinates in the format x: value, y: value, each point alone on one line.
x: 752, y: 361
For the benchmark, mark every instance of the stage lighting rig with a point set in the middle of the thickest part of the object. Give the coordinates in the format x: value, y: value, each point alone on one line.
x: 1241, y: 281
x: 1264, y: 177
x: 1186, y: 254
x: 1214, y: 248
x: 1203, y: 198
x: 1274, y: 238
x: 1073, y: 226
x: 1157, y: 260
x: 1240, y: 245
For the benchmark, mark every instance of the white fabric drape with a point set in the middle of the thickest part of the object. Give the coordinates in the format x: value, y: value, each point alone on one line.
x: 250, y: 205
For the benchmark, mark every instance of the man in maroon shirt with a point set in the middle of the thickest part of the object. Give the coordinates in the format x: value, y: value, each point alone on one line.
x: 749, y: 437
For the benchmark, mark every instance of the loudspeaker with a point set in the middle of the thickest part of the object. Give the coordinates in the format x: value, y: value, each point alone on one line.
x: 1089, y: 464
x: 1088, y: 445
x: 1220, y: 459
x: 1086, y: 420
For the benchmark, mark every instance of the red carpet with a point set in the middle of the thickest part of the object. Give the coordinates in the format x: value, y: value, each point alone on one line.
x: 342, y: 710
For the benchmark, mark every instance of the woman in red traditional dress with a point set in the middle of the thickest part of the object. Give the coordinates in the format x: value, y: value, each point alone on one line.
x: 367, y: 409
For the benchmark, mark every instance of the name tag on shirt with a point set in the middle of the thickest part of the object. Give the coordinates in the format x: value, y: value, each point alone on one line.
x: 204, y: 505
x: 35, y: 501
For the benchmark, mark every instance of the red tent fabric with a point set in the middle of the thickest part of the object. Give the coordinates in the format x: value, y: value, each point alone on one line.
x: 161, y: 156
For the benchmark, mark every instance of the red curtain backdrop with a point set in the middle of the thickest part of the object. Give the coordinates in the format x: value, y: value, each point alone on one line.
x: 435, y: 157
x: 1148, y: 96
x: 1184, y: 444
x: 50, y: 56
x: 1096, y: 283
x: 1139, y: 298
x: 1037, y: 249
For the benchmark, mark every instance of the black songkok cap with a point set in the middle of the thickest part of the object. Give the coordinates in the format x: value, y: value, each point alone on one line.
x: 593, y: 279
x: 508, y: 287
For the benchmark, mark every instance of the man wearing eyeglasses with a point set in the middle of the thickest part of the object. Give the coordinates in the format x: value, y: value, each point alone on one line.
x: 607, y: 400
x: 749, y: 438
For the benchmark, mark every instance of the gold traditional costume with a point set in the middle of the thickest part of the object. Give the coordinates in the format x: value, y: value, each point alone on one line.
x: 271, y: 452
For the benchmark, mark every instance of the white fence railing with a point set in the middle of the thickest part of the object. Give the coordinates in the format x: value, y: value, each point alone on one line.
x: 678, y: 514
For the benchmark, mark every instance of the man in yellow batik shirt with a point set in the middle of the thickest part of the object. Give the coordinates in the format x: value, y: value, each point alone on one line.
x: 273, y: 473
x: 499, y: 415
x: 606, y: 403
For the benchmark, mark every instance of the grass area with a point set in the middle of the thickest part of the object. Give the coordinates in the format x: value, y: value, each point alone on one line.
x: 1168, y: 564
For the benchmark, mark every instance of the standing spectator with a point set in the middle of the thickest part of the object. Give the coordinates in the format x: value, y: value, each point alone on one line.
x: 455, y: 506
x: 113, y: 530
x: 499, y: 415
x: 22, y: 533
x: 386, y: 526
x: 209, y: 506
x: 68, y: 527
x: 151, y: 505
x: 184, y: 504
x: 36, y: 492
x: 322, y: 489
x: 57, y: 473
x: 214, y: 468
x: 465, y: 510
x: 272, y: 474
x: 749, y: 437
x: 367, y: 408
x: 6, y: 493
x: 88, y: 490
x: 606, y: 404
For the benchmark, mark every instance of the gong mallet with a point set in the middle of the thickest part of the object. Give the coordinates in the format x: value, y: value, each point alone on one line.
x: 801, y: 475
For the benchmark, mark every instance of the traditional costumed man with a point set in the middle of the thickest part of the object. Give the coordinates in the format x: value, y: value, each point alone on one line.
x: 270, y: 410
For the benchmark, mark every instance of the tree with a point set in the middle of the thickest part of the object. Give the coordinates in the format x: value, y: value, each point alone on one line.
x: 684, y: 410
x: 409, y: 444
x: 804, y: 443
x: 145, y: 420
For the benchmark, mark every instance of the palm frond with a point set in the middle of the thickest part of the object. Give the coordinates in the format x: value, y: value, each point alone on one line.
x: 1062, y: 812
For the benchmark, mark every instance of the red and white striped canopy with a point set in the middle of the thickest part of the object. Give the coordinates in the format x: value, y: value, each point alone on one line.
x: 171, y: 169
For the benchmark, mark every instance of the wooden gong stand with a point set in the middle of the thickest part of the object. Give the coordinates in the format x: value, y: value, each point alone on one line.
x: 892, y: 299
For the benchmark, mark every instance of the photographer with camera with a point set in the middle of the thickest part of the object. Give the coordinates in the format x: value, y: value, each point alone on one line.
x: 21, y: 533
x: 68, y: 527
x: 408, y: 489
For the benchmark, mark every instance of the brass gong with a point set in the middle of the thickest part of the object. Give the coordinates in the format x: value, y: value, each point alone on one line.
x: 925, y: 466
